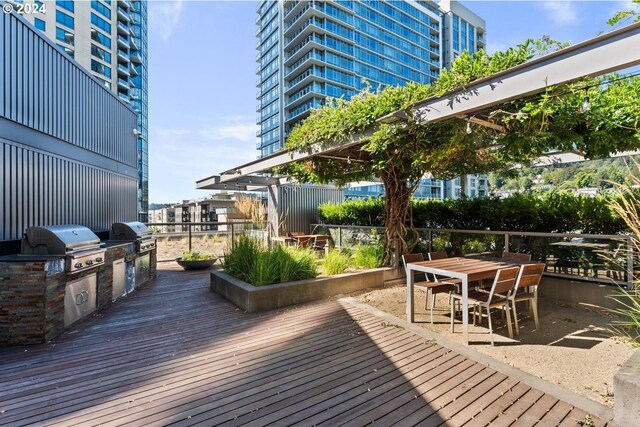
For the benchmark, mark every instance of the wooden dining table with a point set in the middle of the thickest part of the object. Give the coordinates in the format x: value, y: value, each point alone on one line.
x: 466, y: 269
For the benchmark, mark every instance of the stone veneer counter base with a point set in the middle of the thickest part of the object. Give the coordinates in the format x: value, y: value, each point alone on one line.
x: 262, y: 298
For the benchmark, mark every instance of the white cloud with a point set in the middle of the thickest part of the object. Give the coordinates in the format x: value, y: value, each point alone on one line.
x: 164, y: 17
x: 181, y: 156
x: 561, y: 12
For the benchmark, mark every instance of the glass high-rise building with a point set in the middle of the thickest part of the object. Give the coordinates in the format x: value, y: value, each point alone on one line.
x: 309, y: 50
x: 108, y: 37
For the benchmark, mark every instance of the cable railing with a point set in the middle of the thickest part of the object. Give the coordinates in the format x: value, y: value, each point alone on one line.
x: 600, y: 258
x: 213, y: 238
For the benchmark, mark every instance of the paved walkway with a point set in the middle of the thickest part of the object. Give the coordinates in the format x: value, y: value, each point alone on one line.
x: 175, y: 353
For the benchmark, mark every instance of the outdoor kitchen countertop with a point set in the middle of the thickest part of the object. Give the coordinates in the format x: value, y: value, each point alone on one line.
x: 29, y: 258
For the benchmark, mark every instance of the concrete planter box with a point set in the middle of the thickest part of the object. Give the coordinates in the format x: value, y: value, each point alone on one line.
x: 263, y: 298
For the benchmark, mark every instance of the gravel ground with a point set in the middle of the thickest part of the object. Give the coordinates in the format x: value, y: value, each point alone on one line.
x: 574, y: 347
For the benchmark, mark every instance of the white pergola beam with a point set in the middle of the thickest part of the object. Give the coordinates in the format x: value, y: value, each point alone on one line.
x: 284, y: 157
x: 606, y: 53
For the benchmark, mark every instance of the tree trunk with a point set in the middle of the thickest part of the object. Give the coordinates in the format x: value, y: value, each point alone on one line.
x: 397, y: 199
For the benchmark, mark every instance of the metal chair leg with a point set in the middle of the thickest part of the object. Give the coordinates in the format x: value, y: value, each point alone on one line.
x: 506, y: 308
x: 452, y: 305
x: 534, y: 304
x: 490, y: 326
x: 515, y: 318
x: 433, y: 305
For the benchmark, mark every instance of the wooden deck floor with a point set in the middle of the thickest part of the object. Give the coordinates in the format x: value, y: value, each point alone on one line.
x: 175, y: 353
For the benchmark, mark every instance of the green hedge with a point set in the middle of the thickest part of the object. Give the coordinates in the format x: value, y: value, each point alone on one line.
x: 548, y: 212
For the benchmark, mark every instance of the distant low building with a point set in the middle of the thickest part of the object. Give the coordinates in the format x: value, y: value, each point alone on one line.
x: 477, y: 186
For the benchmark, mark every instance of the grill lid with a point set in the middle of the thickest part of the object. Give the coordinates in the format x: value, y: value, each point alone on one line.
x: 133, y: 230
x: 58, y: 240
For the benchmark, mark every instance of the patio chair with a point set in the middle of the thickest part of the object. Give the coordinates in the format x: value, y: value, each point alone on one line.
x: 429, y: 285
x: 303, y: 241
x: 526, y: 289
x: 503, y: 285
x: 437, y: 255
x: 433, y: 256
x: 320, y: 243
x: 516, y: 256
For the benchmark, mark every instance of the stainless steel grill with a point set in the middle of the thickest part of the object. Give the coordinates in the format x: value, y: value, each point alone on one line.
x: 134, y: 231
x: 79, y: 245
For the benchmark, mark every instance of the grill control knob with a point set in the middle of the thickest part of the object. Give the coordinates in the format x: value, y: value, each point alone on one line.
x: 99, y: 259
x: 78, y: 265
x: 89, y: 262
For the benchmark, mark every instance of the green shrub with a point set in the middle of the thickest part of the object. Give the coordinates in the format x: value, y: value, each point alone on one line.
x: 253, y: 263
x: 335, y: 262
x: 546, y: 212
x: 368, y: 256
x: 195, y: 256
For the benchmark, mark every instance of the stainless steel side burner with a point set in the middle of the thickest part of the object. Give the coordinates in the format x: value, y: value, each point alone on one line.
x: 79, y: 245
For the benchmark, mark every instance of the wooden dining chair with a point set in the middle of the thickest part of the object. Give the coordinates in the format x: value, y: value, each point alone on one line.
x: 516, y: 256
x: 429, y: 285
x: 303, y: 241
x: 498, y: 297
x: 320, y: 243
x: 437, y: 255
x: 526, y: 289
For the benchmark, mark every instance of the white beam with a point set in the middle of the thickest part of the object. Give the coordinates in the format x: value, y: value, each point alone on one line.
x: 284, y: 157
x: 606, y: 53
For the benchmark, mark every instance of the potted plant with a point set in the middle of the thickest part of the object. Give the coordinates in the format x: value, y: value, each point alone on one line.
x: 192, y: 260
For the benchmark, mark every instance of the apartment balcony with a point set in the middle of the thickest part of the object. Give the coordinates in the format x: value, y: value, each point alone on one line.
x: 133, y: 71
x: 312, y: 41
x: 123, y: 3
x: 123, y: 42
x: 136, y: 58
x: 122, y: 83
x: 306, y: 12
x: 311, y: 58
x: 132, y: 44
x: 123, y: 15
x: 297, y: 84
x: 122, y: 70
x: 294, y: 9
x: 123, y: 55
x: 124, y: 97
x: 123, y: 29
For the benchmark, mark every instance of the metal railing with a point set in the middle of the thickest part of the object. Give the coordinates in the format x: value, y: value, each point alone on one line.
x: 213, y: 238
x: 601, y: 258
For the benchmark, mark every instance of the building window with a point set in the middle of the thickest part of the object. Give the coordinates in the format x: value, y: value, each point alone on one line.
x: 64, y: 36
x: 66, y: 50
x: 40, y: 24
x: 101, y: 38
x: 101, y: 8
x: 100, y: 53
x: 100, y: 68
x: 64, y: 19
x: 100, y: 23
x: 68, y: 5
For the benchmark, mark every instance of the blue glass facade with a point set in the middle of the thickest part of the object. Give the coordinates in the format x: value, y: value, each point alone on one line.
x: 138, y: 69
x: 310, y: 50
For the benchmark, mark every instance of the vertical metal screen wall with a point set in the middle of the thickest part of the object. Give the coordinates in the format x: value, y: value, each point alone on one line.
x: 67, y: 147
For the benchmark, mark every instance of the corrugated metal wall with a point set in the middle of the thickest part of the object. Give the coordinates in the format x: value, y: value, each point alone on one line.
x: 67, y: 148
x: 295, y: 207
x: 43, y: 89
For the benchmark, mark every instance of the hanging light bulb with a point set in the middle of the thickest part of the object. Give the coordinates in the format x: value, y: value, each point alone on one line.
x: 586, y: 105
x: 468, y: 127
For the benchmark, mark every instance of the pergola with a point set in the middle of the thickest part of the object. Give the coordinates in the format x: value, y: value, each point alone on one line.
x: 613, y: 51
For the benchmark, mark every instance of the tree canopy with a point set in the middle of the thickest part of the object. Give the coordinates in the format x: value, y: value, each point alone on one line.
x: 400, y: 155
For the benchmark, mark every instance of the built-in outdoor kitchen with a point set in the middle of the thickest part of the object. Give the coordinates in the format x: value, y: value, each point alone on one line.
x: 64, y: 273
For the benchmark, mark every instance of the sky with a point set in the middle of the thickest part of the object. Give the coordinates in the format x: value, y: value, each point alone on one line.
x: 202, y: 77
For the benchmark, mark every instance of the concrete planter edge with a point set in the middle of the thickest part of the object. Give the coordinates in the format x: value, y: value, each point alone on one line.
x: 262, y: 298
